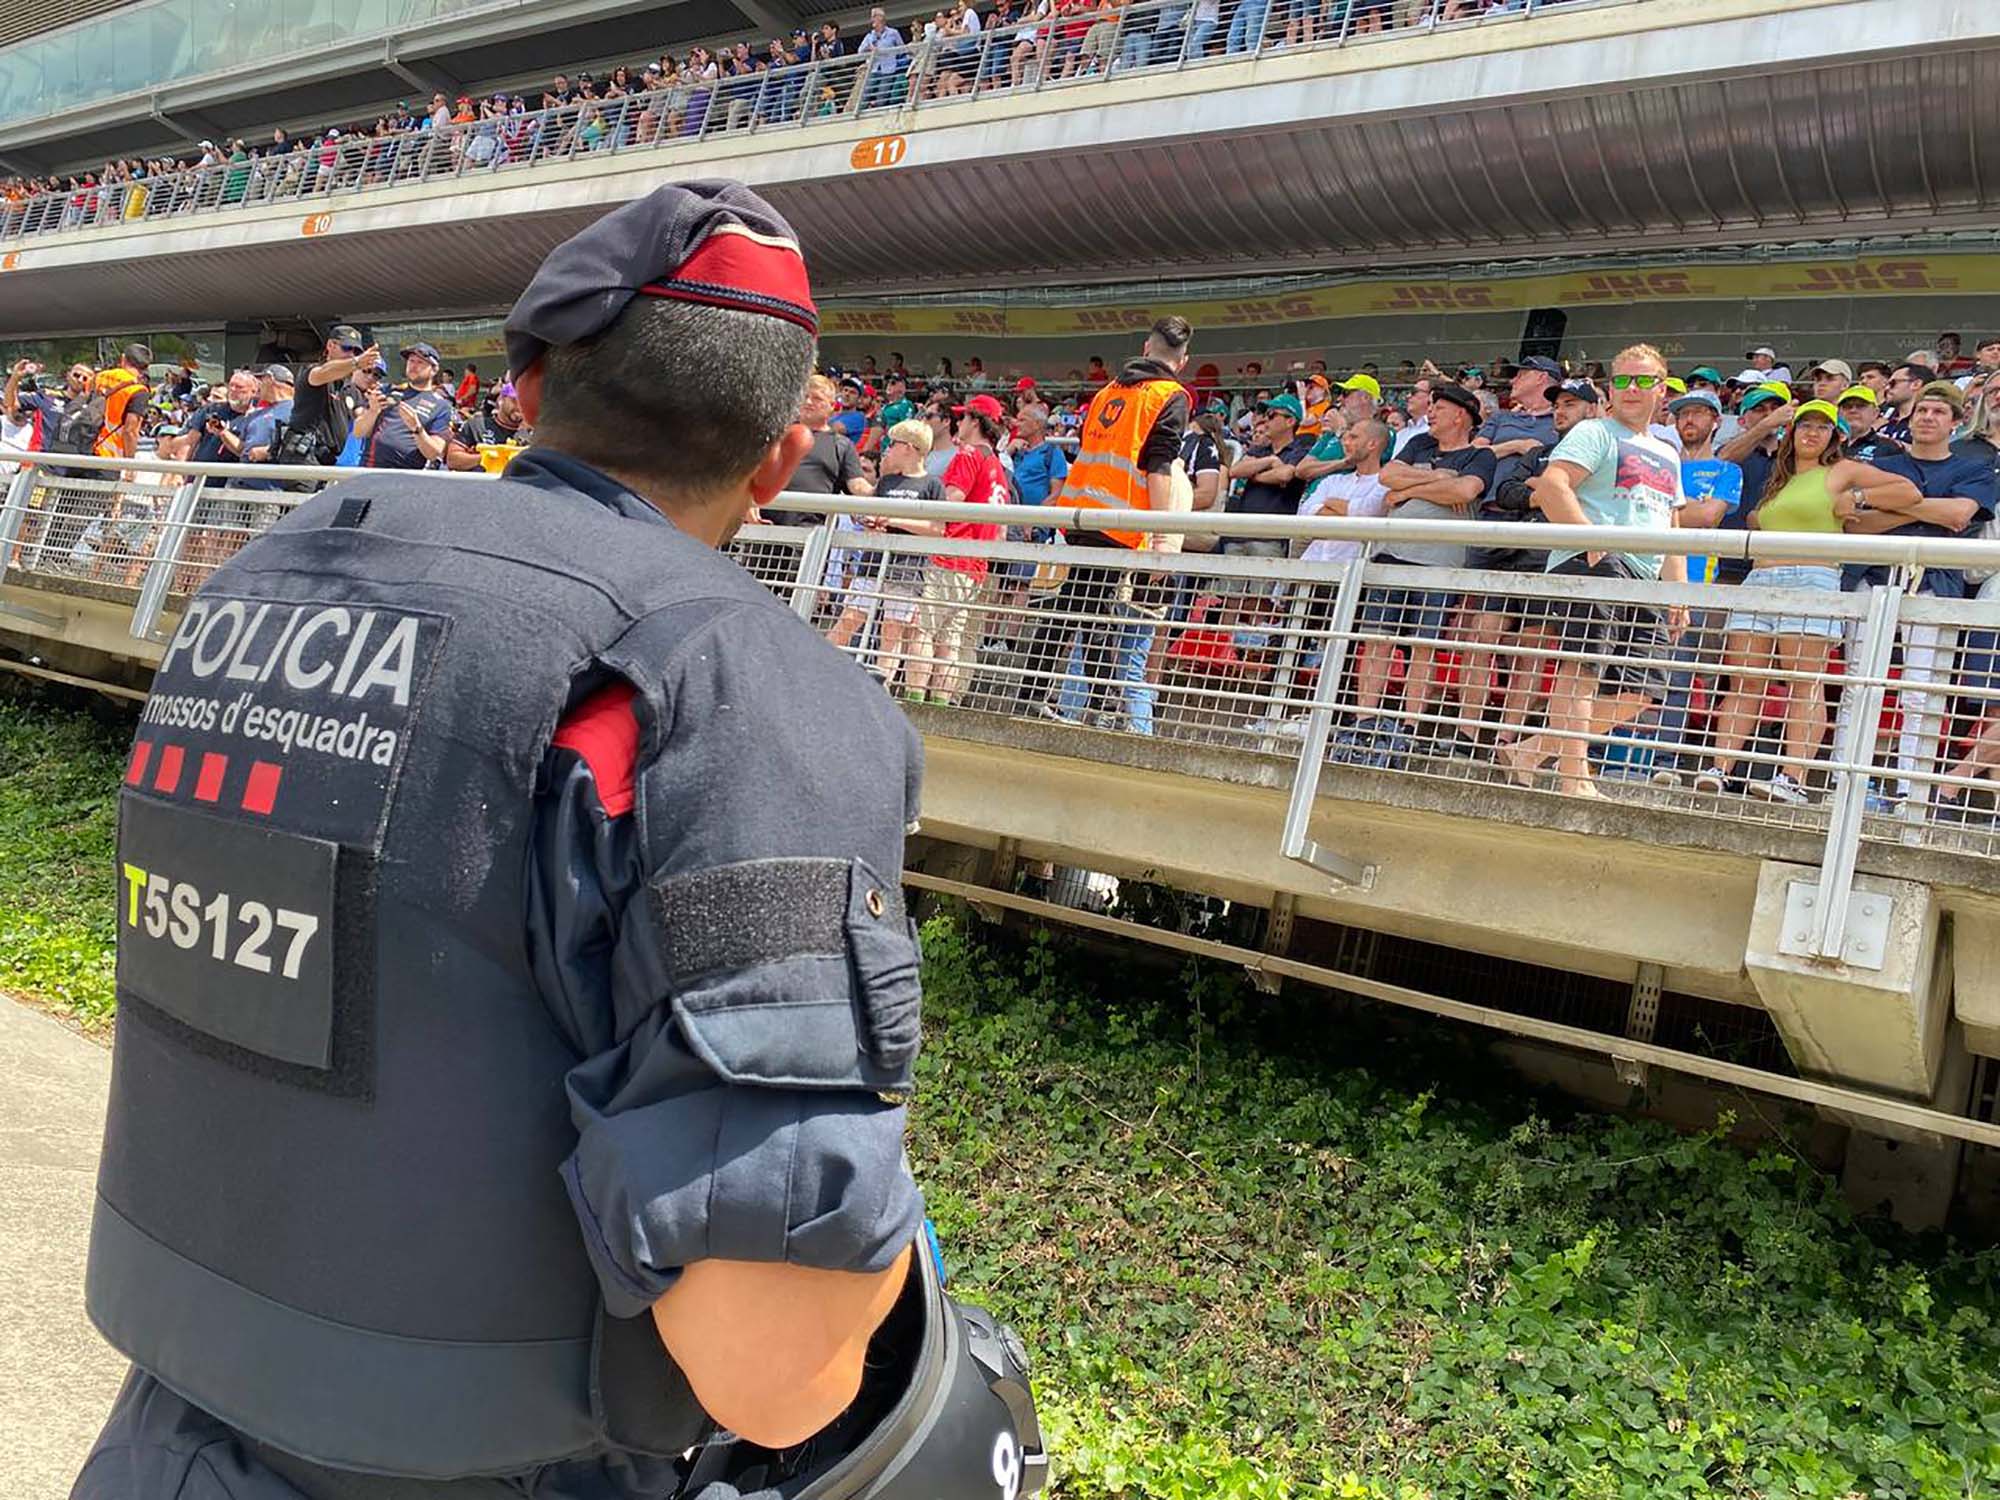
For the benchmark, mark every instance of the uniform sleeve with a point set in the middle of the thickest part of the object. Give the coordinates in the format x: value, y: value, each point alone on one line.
x: 718, y: 925
x: 438, y: 423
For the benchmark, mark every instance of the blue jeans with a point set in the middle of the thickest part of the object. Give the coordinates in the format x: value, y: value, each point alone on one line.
x: 1136, y: 49
x: 1131, y: 642
x: 1247, y: 25
x: 881, y: 88
x: 1198, y: 35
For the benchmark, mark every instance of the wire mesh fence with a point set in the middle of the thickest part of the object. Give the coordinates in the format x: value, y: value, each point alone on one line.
x: 1790, y: 700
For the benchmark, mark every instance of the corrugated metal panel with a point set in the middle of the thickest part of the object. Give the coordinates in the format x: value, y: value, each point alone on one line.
x: 20, y: 19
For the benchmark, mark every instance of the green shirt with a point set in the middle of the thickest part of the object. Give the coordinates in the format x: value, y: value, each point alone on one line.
x: 1328, y: 449
x: 898, y: 411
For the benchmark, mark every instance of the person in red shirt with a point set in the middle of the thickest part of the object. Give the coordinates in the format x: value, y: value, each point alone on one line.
x: 942, y: 647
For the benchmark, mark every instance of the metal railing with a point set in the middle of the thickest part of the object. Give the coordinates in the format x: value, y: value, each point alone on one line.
x: 1008, y: 58
x: 1856, y: 716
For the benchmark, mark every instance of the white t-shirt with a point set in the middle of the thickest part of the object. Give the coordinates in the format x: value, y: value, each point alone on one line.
x: 1629, y: 479
x: 1410, y: 433
x: 1365, y: 496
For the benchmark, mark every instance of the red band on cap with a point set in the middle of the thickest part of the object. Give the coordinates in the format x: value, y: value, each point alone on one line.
x: 737, y: 267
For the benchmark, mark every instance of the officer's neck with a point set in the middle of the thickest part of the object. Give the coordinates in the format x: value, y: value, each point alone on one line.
x: 709, y: 517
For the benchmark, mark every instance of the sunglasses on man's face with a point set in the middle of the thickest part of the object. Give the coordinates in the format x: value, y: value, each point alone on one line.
x: 1627, y: 382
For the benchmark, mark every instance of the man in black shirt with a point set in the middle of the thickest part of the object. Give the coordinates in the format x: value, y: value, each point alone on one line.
x: 833, y: 467
x: 321, y: 414
x: 499, y: 421
x: 1440, y: 477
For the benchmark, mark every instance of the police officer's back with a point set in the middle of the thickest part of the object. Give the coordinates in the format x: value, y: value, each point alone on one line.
x: 515, y: 988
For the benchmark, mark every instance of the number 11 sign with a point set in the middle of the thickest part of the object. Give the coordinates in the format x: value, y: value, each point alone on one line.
x: 878, y: 151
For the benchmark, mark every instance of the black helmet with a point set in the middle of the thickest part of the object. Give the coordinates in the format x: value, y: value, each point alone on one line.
x: 945, y: 1413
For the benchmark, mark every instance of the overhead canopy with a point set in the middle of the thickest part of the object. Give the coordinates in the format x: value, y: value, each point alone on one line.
x: 1576, y: 131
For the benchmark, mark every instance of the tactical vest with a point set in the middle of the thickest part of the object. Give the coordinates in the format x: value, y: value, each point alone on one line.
x: 1105, y: 472
x: 329, y: 1210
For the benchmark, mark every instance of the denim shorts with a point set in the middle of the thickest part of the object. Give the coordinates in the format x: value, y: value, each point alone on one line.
x: 1407, y: 612
x: 1814, y: 579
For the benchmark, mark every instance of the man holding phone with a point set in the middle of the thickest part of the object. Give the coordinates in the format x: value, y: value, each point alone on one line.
x: 409, y: 427
x: 323, y: 404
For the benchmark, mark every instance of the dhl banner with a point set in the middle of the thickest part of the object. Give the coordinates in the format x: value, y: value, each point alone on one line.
x: 1745, y: 281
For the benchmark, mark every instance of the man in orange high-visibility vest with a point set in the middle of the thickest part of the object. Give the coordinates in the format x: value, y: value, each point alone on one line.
x: 1127, y: 446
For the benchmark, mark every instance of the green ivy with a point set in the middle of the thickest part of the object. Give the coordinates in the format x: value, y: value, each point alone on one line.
x: 59, y: 775
x: 1261, y: 1252
x: 1264, y: 1252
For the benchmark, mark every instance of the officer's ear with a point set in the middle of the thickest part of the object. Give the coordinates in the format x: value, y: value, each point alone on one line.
x: 781, y: 461
x: 528, y: 390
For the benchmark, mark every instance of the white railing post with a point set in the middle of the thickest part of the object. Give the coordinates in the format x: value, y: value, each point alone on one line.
x: 812, y: 568
x: 14, y: 510
x: 1854, y: 740
x: 158, y: 582
x: 1298, y: 843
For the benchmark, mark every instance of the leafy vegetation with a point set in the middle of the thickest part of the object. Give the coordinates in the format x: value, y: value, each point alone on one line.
x: 1261, y: 1252
x: 1264, y: 1252
x: 59, y: 773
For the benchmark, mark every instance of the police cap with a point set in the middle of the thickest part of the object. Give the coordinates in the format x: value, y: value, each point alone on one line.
x: 713, y: 242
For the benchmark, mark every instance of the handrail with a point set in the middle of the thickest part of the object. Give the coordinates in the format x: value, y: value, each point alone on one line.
x: 1872, y: 551
x: 1151, y: 36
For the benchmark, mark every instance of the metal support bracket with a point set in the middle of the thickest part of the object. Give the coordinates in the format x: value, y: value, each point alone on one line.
x: 1297, y: 844
x: 1641, y: 1017
x: 1864, y: 930
x: 1277, y: 941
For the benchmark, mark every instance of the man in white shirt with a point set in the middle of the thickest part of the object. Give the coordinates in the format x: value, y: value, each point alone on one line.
x: 1764, y: 360
x: 1419, y: 408
x: 1353, y: 492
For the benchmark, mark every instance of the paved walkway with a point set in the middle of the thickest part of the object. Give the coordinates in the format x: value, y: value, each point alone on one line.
x: 57, y: 1377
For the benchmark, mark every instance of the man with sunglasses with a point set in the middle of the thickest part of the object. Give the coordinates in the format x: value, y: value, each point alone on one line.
x: 1609, y: 471
x: 321, y: 415
x: 1899, y: 401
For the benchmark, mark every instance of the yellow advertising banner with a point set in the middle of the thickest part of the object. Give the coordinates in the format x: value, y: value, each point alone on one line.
x: 1900, y: 276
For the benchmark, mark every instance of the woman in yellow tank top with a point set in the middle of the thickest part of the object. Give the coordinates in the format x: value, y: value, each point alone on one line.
x: 1811, y: 489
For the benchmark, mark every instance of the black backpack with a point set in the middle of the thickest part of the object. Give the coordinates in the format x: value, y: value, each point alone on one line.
x: 81, y: 425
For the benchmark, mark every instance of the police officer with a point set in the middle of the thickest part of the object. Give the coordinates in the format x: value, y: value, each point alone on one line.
x: 516, y: 996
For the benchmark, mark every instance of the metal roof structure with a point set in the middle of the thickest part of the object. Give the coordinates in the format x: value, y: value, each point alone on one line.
x: 1585, y: 129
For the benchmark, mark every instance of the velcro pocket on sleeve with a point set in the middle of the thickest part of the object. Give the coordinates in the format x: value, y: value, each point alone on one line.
x: 793, y: 973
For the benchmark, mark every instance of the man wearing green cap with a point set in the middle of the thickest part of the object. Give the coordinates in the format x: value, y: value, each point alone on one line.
x: 1862, y: 412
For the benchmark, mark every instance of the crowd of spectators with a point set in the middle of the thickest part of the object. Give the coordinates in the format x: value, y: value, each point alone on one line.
x: 1734, y: 700
x: 1723, y: 700
x: 816, y: 71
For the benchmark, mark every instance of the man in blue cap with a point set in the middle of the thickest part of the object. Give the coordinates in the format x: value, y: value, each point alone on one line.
x: 518, y: 1001
x: 408, y: 427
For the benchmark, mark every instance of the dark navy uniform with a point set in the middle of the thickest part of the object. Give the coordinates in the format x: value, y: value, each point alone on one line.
x: 509, y: 918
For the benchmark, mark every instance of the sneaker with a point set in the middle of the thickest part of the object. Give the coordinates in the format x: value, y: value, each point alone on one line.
x: 1047, y: 710
x: 1666, y: 776
x: 1712, y: 782
x: 1781, y: 788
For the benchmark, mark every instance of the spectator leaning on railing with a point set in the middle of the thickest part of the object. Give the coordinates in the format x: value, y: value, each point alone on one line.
x: 1440, y: 477
x: 944, y: 644
x: 1958, y: 496
x: 1609, y: 471
x: 1811, y: 488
